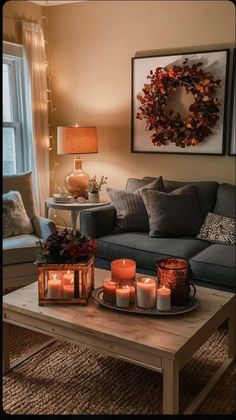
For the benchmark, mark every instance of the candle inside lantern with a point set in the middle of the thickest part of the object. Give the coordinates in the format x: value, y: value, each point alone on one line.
x: 123, y: 269
x: 68, y: 277
x: 146, y: 292
x: 122, y: 296
x: 109, y: 291
x: 163, y: 298
x: 55, y: 274
x: 54, y: 287
x: 68, y: 291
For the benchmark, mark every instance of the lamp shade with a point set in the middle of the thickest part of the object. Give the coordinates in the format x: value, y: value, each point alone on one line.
x: 76, y: 140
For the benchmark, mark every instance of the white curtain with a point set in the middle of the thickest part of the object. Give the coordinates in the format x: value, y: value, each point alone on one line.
x: 36, y: 81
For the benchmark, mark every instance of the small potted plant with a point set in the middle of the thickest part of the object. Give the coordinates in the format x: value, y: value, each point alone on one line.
x: 95, y: 187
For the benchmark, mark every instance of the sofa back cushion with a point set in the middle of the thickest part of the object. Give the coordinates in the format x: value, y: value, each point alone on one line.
x: 206, y: 192
x: 134, y: 184
x: 226, y: 201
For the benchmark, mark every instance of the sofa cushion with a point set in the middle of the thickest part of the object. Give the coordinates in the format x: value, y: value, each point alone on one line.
x: 156, y: 185
x: 218, y: 229
x: 24, y: 183
x: 173, y: 214
x: 15, y: 219
x: 216, y: 265
x: 134, y: 184
x: 145, y: 250
x: 19, y: 249
x: 206, y: 192
x: 131, y: 214
x: 226, y: 201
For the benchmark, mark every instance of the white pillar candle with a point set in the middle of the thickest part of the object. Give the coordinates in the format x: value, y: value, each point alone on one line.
x: 146, y: 292
x: 54, y: 288
x: 122, y: 297
x: 163, y: 299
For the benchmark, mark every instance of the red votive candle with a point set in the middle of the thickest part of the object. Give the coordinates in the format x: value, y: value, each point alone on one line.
x: 109, y: 291
x: 123, y: 270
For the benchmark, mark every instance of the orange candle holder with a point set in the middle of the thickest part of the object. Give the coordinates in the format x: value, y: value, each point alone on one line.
x: 65, y: 283
x: 173, y: 273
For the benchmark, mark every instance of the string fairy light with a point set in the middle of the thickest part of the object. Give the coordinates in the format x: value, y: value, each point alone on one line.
x: 51, y: 107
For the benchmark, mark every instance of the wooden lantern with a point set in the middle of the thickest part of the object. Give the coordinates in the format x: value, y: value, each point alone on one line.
x: 66, y: 283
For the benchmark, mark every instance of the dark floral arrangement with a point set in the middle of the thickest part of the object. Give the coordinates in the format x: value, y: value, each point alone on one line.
x: 65, y: 247
x: 168, y: 128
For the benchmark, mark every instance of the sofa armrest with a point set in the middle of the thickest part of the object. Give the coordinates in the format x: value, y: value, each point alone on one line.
x: 43, y: 227
x: 97, y: 221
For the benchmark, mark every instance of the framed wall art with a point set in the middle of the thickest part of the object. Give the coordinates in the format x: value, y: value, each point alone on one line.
x: 179, y: 103
x: 232, y: 145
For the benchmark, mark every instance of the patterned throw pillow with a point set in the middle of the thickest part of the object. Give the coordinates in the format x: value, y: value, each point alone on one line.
x: 131, y: 213
x: 15, y: 219
x: 218, y: 229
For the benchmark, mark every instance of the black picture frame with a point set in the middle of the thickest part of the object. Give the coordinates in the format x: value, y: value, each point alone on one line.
x: 232, y: 135
x: 215, y: 61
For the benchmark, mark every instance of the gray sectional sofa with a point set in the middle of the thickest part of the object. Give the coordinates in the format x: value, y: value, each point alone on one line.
x: 211, y: 264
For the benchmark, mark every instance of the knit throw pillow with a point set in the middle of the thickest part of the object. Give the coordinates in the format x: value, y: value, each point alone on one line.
x: 131, y: 214
x: 15, y: 219
x: 218, y: 229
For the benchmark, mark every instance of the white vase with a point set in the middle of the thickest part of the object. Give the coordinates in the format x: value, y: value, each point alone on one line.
x: 94, y: 197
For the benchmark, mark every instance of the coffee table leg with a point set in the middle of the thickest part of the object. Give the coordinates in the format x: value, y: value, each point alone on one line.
x: 6, y: 355
x: 231, y: 331
x: 170, y: 387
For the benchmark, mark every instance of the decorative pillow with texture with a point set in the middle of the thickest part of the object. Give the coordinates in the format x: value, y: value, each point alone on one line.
x: 157, y: 185
x: 173, y: 214
x: 15, y: 219
x: 218, y: 229
x: 131, y: 214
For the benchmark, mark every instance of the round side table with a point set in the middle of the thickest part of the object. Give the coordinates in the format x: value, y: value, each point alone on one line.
x: 74, y: 208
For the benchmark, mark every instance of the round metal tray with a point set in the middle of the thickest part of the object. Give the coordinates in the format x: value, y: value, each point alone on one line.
x: 193, y: 303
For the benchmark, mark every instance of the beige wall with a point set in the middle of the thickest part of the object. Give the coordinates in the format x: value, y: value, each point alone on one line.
x: 13, y: 13
x: 91, y: 45
x: 91, y: 48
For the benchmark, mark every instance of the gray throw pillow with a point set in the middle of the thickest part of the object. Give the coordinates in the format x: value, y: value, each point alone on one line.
x: 218, y: 229
x: 131, y: 214
x: 173, y: 214
x: 15, y: 219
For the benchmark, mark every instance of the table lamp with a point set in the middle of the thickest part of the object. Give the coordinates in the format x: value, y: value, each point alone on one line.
x: 77, y: 140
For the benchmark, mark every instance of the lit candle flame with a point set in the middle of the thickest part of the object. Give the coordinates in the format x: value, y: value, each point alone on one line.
x: 123, y: 262
x: 54, y: 276
x: 147, y: 280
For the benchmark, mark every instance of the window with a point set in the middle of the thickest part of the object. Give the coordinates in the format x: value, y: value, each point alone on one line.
x: 13, y: 115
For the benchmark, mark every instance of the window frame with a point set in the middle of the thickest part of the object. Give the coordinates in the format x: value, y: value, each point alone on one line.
x: 13, y: 56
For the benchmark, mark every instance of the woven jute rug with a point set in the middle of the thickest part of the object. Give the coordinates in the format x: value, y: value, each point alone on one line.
x: 68, y: 379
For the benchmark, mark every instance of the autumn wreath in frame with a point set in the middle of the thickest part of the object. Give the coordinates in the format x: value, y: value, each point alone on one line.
x: 204, y: 111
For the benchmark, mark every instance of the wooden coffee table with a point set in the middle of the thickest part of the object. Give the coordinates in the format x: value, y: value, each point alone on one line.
x: 160, y: 343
